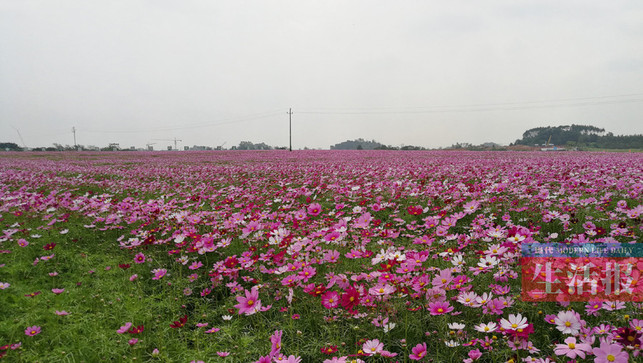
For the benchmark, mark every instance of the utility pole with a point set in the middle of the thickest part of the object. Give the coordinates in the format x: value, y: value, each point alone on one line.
x: 73, y: 129
x: 290, y: 126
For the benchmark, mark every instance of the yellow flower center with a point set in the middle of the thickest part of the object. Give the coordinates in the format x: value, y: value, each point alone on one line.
x: 514, y: 326
x: 572, y: 346
x: 567, y: 323
x: 610, y: 358
x: 250, y: 302
x: 440, y: 310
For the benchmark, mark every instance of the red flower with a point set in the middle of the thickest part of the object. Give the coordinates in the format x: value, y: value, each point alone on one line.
x: 137, y: 330
x: 49, y: 246
x: 33, y: 294
x: 180, y: 323
x: 124, y: 266
x: 350, y: 298
x: 329, y: 349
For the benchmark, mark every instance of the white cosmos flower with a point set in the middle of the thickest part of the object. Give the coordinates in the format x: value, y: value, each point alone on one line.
x: 456, y: 326
x: 486, y: 328
x: 515, y: 322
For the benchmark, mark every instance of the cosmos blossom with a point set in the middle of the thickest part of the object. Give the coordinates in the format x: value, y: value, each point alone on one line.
x: 418, y: 352
x: 330, y: 299
x: 249, y: 304
x: 32, y: 330
x: 159, y: 273
x: 372, y: 347
x: 572, y: 348
x: 610, y: 353
x: 440, y: 307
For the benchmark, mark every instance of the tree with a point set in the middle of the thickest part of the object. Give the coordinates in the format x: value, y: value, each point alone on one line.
x: 9, y: 146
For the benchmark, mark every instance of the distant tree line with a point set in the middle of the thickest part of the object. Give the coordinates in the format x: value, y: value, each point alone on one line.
x: 247, y: 145
x: 579, y: 136
x: 361, y: 144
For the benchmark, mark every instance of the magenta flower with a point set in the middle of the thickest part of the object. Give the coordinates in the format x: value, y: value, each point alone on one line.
x: 57, y: 291
x: 440, y: 307
x: 330, y: 299
x: 249, y: 304
x: 133, y: 341
x: 314, y: 209
x: 418, y: 352
x: 610, y: 353
x: 275, y: 339
x: 32, y: 330
x: 61, y: 313
x: 223, y: 354
x: 195, y: 265
x: 159, y: 273
x: 139, y: 258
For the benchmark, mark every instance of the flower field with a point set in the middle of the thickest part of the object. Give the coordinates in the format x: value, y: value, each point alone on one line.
x: 310, y: 256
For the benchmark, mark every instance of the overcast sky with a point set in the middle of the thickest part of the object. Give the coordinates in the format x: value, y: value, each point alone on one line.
x: 427, y: 73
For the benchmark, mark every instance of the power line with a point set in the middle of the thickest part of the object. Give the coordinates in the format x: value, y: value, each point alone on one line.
x: 450, y: 109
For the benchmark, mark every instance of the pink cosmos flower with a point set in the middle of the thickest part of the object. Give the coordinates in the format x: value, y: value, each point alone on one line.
x: 213, y: 330
x: 330, y: 299
x: 159, y: 273
x: 139, y: 258
x: 300, y: 215
x: 418, y: 352
x: 4, y: 285
x: 223, y: 354
x: 572, y: 349
x: 314, y: 209
x: 249, y: 304
x: 195, y: 265
x: 292, y: 359
x: 610, y: 353
x: 133, y: 341
x: 440, y: 307
x: 381, y: 289
x: 124, y: 328
x: 61, y: 313
x: 133, y: 277
x: 32, y: 330
x: 57, y: 291
x: 372, y: 347
x: 275, y: 339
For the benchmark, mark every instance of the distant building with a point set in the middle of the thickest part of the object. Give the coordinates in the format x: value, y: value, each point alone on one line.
x: 553, y: 148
